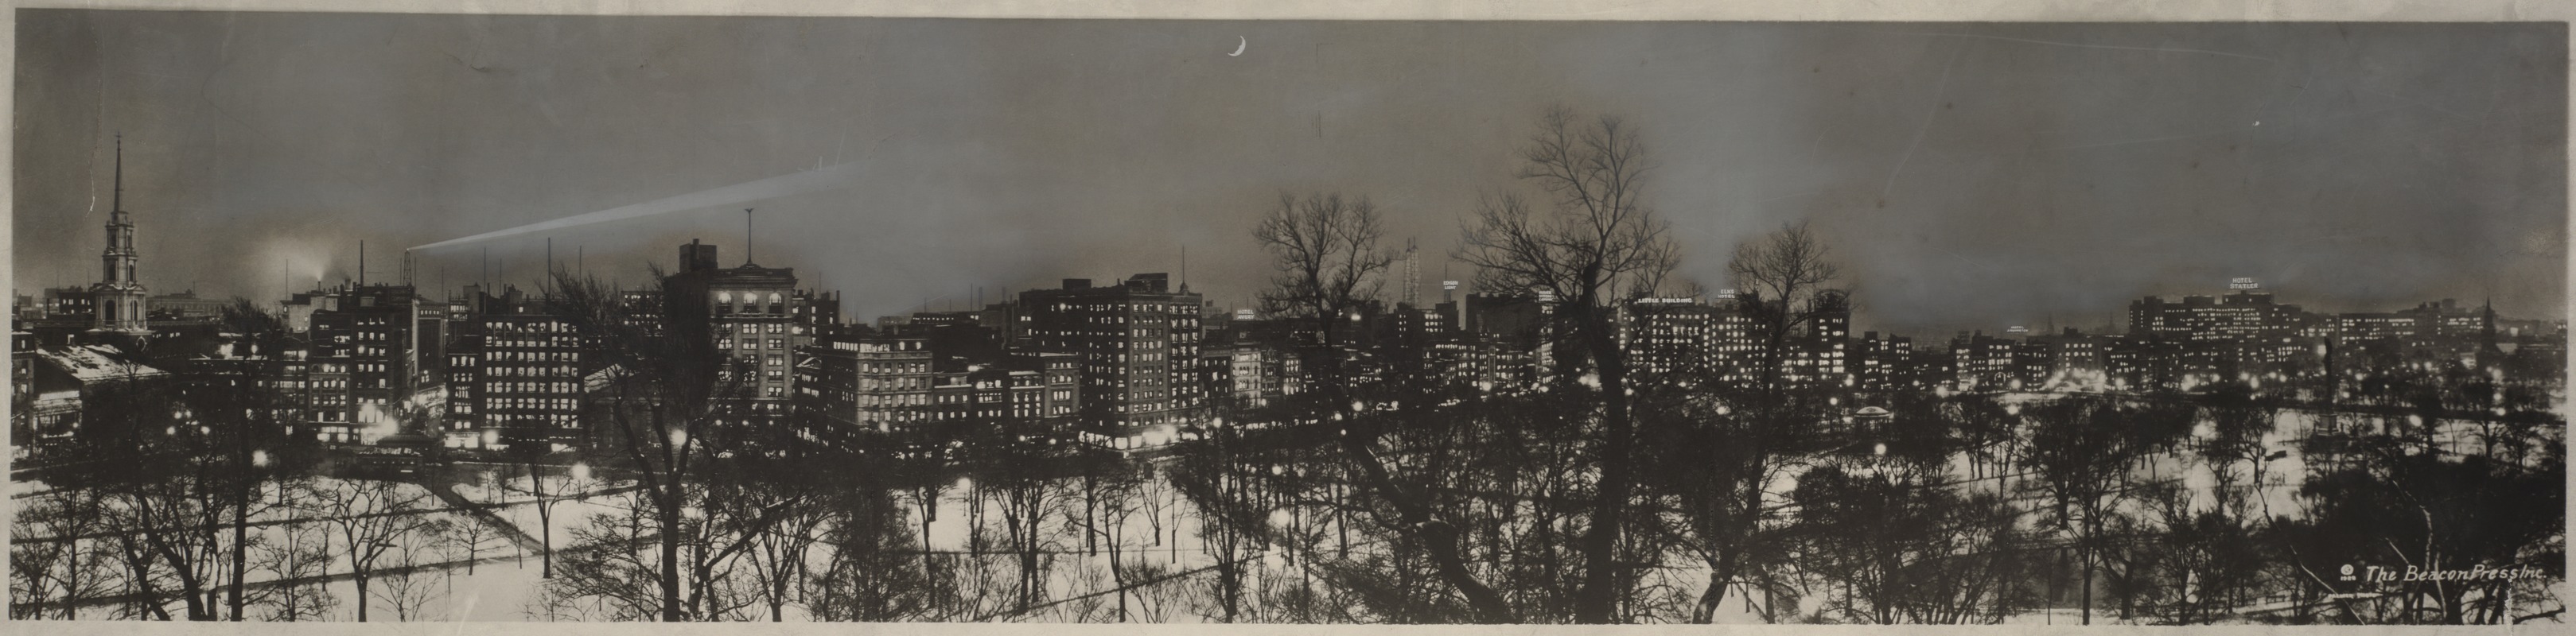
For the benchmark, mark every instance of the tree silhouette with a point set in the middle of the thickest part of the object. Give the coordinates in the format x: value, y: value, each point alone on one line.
x: 1594, y: 245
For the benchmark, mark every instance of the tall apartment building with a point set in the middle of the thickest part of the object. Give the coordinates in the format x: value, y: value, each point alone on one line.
x: 1880, y: 364
x: 1666, y: 335
x: 1139, y: 347
x: 515, y: 372
x: 877, y: 384
x: 377, y: 351
x: 1725, y: 341
x: 2233, y: 317
x: 1983, y: 360
x: 891, y: 385
x: 756, y: 315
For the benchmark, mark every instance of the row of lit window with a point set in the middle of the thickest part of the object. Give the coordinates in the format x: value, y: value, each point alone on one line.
x: 561, y: 342
x: 531, y: 387
x: 751, y: 343
x: 532, y: 356
x: 771, y: 328
x: 509, y: 403
x: 525, y: 372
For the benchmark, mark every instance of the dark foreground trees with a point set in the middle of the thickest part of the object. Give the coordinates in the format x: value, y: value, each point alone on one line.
x: 671, y: 414
x: 1591, y: 242
x: 1889, y: 541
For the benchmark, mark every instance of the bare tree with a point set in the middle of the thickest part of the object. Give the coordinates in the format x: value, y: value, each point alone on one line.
x: 1726, y: 440
x: 1326, y: 259
x: 296, y: 564
x: 789, y: 515
x: 546, y: 487
x: 2083, y: 450
x: 868, y: 574
x: 672, y: 413
x: 50, y: 571
x: 1594, y: 245
x: 408, y: 587
x: 1329, y: 266
x: 370, y: 518
x: 470, y: 538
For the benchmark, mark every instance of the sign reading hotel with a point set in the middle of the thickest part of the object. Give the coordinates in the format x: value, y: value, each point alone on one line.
x: 2243, y: 283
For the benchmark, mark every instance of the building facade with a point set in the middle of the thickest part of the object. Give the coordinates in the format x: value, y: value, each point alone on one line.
x: 1138, y: 343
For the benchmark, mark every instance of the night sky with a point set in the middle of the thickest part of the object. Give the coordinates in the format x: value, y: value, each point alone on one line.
x: 1970, y: 176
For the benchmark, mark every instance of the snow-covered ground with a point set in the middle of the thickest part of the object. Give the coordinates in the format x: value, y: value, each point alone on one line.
x: 505, y: 580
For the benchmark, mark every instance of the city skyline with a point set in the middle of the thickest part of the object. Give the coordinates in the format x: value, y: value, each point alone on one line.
x: 404, y: 317
x: 256, y: 207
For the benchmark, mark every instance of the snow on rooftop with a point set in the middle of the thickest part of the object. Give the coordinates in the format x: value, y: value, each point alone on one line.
x: 96, y: 363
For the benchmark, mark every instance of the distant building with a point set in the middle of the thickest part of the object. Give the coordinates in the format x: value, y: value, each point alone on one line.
x: 2236, y: 316
x: 185, y: 306
x: 62, y: 303
x: 1881, y: 364
x: 1139, y: 344
x: 874, y: 384
x: 1666, y: 335
x: 279, y: 372
x: 890, y: 385
x: 377, y: 350
x: 2063, y: 354
x: 1980, y: 360
x: 1502, y: 343
x: 2353, y: 326
x: 757, y: 315
x: 1727, y: 343
x: 1818, y: 353
x: 516, y: 372
x: 67, y: 382
x: 22, y: 388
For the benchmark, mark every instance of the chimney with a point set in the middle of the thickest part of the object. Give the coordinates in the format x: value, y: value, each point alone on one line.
x: 697, y: 256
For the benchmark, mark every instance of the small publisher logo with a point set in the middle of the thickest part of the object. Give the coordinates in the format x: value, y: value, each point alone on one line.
x: 2411, y: 574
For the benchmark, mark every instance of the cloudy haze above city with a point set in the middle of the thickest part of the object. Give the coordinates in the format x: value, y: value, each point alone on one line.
x: 1969, y: 176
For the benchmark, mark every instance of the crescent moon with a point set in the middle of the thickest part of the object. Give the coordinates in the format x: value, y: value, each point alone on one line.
x: 1239, y: 43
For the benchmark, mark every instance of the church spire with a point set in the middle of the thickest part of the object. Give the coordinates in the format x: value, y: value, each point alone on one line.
x: 119, y: 300
x: 116, y: 199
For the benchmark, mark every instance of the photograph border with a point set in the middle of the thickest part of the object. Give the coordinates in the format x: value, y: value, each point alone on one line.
x: 1445, y: 10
